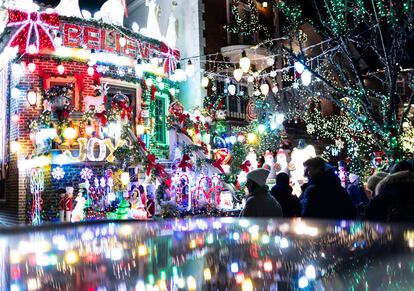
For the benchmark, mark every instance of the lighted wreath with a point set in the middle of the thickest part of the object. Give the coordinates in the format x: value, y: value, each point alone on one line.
x: 58, y: 99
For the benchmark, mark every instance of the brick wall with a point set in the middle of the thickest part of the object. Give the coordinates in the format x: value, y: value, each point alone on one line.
x: 17, y: 207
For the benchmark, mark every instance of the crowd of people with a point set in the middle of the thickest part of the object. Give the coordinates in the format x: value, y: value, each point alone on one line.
x: 387, y: 197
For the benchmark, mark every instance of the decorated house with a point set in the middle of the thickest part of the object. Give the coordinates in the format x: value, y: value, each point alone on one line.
x: 78, y: 93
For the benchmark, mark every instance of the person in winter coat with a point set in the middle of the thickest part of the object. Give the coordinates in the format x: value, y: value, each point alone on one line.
x: 395, y: 200
x: 282, y: 192
x: 372, y: 183
x: 325, y: 197
x: 260, y: 203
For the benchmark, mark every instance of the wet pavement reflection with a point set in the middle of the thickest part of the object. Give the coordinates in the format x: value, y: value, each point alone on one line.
x: 209, y: 254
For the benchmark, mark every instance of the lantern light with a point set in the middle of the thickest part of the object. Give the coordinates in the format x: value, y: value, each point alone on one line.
x: 31, y: 67
x: 264, y: 4
x: 190, y: 69
x: 244, y: 62
x: 17, y: 70
x: 306, y: 78
x: 69, y: 133
x: 204, y: 81
x: 299, y: 67
x: 231, y: 89
x: 31, y: 97
x: 179, y: 73
x: 135, y: 27
x: 139, y: 68
x: 93, y: 59
x: 91, y: 71
x: 58, y: 40
x: 264, y: 88
x: 275, y: 89
x: 238, y: 74
x: 15, y: 93
x: 125, y: 178
x: 154, y: 61
x: 15, y: 118
x: 15, y: 146
x: 122, y: 41
x: 61, y: 69
x: 32, y: 49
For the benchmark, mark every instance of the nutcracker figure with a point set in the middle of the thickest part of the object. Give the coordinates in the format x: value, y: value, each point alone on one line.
x: 69, y: 203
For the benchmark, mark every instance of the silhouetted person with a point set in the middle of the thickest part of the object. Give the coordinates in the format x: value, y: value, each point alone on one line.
x: 372, y: 183
x: 260, y: 203
x: 282, y: 192
x: 395, y: 199
x: 325, y: 197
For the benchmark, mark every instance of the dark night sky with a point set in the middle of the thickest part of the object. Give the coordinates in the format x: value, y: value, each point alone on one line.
x: 91, y: 5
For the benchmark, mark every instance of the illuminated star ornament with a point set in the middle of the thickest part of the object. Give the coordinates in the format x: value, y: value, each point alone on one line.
x: 32, y: 26
x: 58, y: 173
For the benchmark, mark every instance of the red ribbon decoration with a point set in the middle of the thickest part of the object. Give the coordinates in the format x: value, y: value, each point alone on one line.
x: 97, y: 78
x: 246, y: 166
x: 205, y: 148
x: 102, y: 117
x: 143, y: 145
x: 45, y: 76
x: 32, y: 25
x: 171, y: 56
x: 151, y: 164
x: 79, y: 78
x: 217, y: 164
x: 184, y: 164
x: 125, y: 109
x: 153, y: 91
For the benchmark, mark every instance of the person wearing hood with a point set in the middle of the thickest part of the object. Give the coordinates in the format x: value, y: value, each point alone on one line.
x: 394, y: 201
x: 259, y: 202
x: 282, y: 192
x: 325, y: 198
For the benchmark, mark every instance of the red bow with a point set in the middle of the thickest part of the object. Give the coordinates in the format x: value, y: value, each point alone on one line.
x: 246, y: 166
x: 184, y: 164
x: 97, y: 78
x: 125, y: 109
x: 151, y: 164
x: 102, y: 117
x: 217, y: 164
x: 171, y: 56
x: 79, y: 78
x: 153, y: 91
x: 32, y: 25
x: 205, y: 148
x: 183, y: 117
x: 45, y: 76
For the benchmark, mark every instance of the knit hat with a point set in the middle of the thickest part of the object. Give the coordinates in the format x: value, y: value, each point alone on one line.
x: 259, y: 176
x: 374, y: 180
